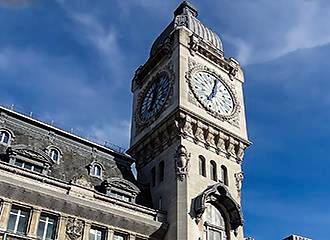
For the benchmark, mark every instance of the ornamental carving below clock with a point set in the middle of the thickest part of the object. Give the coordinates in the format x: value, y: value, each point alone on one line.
x: 153, y: 98
x: 213, y: 93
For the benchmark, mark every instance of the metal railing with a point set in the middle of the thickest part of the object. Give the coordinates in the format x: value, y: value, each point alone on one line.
x: 73, y: 131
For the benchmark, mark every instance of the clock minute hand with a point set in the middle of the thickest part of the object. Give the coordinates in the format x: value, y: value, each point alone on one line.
x: 214, y: 90
x: 154, y: 96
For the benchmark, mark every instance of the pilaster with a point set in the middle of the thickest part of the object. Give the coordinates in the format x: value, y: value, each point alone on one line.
x: 34, y: 219
x: 5, y: 212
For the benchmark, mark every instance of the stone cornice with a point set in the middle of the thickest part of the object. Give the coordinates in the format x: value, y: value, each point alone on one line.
x: 184, y: 124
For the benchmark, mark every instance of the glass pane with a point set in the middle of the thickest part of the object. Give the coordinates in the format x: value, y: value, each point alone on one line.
x: 19, y: 163
x: 5, y: 137
x: 41, y: 227
x: 12, y: 220
x: 28, y: 166
x: 50, y: 229
x: 22, y: 222
x: 118, y: 237
x: 37, y: 169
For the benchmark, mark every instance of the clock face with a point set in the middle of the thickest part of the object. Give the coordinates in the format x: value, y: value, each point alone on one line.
x: 212, y: 93
x: 155, y: 97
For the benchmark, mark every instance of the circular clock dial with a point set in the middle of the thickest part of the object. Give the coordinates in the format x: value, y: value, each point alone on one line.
x: 155, y: 97
x: 212, y: 93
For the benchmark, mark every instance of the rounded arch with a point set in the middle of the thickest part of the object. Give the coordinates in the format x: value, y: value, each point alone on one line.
x: 6, y: 136
x: 96, y: 169
x: 213, y: 171
x: 219, y: 195
x: 202, y: 165
x: 54, y: 153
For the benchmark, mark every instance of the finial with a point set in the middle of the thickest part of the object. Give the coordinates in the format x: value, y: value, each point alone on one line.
x: 186, y: 8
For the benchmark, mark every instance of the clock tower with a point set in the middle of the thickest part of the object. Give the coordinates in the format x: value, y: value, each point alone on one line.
x: 189, y: 130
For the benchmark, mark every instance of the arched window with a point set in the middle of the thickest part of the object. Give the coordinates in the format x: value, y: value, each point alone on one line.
x: 224, y: 175
x: 161, y: 171
x: 96, y: 170
x: 202, y: 168
x: 213, y: 171
x: 54, y: 153
x: 5, y: 137
x: 215, y: 223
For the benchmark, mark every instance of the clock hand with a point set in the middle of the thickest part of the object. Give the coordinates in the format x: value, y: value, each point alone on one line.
x: 214, y: 90
x: 154, y: 97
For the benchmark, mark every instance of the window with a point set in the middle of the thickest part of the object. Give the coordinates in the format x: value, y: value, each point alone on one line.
x: 46, y: 227
x: 161, y: 171
x: 96, y: 170
x: 18, y: 219
x: 96, y: 234
x: 119, y: 236
x: 202, y: 169
x: 120, y: 196
x: 54, y: 154
x: 153, y: 176
x: 5, y: 137
x: 224, y: 175
x: 215, y: 224
x: 213, y: 171
x: 28, y: 166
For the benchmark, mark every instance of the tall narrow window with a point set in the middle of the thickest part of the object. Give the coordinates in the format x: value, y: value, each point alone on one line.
x: 161, y: 171
x: 96, y: 234
x: 224, y: 175
x: 202, y: 168
x: 54, y: 154
x: 153, y: 176
x: 46, y: 227
x: 215, y: 224
x: 4, y: 137
x: 18, y: 220
x: 213, y: 171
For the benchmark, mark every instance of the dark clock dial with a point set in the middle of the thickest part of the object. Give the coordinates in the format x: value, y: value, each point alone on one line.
x: 155, y: 97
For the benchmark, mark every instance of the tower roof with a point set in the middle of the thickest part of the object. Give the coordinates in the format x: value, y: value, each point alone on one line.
x: 186, y: 15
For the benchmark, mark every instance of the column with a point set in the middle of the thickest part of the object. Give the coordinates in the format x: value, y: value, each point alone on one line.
x: 110, y: 233
x: 33, y: 225
x: 87, y: 229
x: 61, y: 232
x: 5, y: 211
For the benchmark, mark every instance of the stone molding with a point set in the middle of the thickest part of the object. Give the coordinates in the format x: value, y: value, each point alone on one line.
x: 218, y: 194
x: 184, y: 125
x: 193, y: 68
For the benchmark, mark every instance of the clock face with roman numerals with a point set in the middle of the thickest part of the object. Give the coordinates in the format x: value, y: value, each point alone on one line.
x: 212, y: 93
x: 155, y: 97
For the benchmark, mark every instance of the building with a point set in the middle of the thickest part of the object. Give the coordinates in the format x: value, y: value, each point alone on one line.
x: 188, y: 141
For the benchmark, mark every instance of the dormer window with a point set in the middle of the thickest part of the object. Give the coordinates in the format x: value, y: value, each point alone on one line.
x: 5, y: 137
x: 95, y: 169
x: 54, y: 153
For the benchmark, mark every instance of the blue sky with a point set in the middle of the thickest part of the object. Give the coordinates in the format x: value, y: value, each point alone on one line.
x: 72, y: 61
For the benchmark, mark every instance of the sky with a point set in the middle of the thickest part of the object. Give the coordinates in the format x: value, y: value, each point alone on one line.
x: 72, y: 62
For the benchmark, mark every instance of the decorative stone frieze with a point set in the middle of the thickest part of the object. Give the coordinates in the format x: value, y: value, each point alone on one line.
x: 239, y: 177
x: 182, y: 158
x: 184, y: 125
x: 74, y: 228
x: 81, y: 181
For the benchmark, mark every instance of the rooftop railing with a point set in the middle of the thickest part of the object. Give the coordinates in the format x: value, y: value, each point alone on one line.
x: 73, y: 131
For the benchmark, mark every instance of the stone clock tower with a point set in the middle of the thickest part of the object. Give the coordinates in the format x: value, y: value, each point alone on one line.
x: 189, y: 130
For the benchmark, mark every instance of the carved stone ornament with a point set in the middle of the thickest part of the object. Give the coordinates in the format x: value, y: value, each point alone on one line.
x: 194, y: 68
x: 140, y: 123
x: 182, y: 158
x: 29, y: 152
x: 239, y: 177
x: 219, y: 195
x: 81, y: 181
x: 74, y: 228
x: 121, y: 184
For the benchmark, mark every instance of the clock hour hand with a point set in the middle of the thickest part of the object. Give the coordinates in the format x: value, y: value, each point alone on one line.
x: 214, y: 90
x: 153, y: 98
